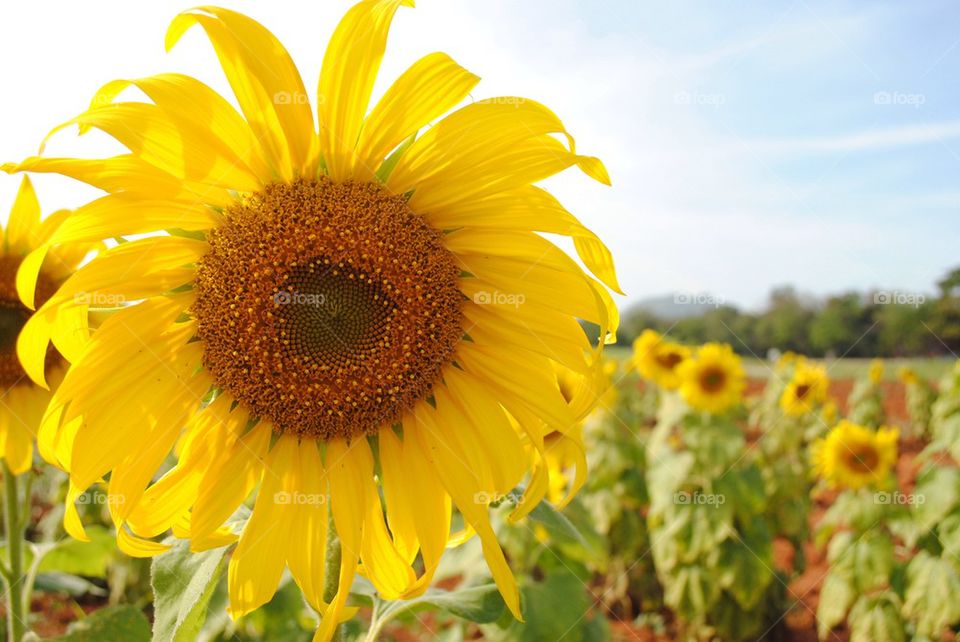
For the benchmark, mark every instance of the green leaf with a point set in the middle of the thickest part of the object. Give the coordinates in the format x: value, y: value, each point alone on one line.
x: 556, y: 524
x: 949, y: 537
x: 865, y: 560
x: 183, y: 583
x: 933, y: 585
x: 124, y: 623
x: 836, y: 598
x: 286, y: 616
x: 480, y: 604
x: 877, y: 619
x: 89, y: 559
x: 72, y: 585
x: 937, y: 493
x: 555, y: 609
x: 745, y: 566
x: 744, y: 490
x: 691, y: 591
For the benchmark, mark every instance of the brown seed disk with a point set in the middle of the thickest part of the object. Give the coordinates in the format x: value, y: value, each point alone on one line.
x: 327, y: 308
x: 13, y: 316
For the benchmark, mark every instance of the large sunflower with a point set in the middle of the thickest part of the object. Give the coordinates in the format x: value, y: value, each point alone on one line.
x: 22, y: 402
x: 330, y: 313
x: 656, y: 358
x: 713, y: 379
x: 852, y: 456
x: 806, y: 390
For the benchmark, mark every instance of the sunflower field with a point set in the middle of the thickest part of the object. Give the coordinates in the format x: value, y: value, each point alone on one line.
x: 310, y: 366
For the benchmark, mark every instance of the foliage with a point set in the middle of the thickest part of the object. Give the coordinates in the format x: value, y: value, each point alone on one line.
x: 851, y: 324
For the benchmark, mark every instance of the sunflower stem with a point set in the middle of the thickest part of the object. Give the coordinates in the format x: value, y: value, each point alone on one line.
x: 331, y: 571
x: 16, y: 599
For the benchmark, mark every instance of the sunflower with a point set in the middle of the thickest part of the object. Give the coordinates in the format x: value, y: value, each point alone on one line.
x: 788, y: 359
x: 712, y: 380
x: 23, y: 402
x: 908, y: 376
x: 656, y: 359
x: 563, y: 452
x: 852, y: 456
x: 806, y: 390
x: 875, y: 372
x: 361, y: 317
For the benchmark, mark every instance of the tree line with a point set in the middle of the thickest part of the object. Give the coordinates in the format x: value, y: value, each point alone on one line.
x: 852, y: 324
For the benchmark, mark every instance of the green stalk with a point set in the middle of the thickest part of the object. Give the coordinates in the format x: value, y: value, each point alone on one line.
x: 331, y: 575
x: 16, y: 599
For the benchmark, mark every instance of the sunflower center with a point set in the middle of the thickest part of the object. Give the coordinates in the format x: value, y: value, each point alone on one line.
x: 802, y: 391
x: 669, y: 360
x: 13, y: 316
x: 327, y: 308
x: 862, y: 459
x: 713, y: 379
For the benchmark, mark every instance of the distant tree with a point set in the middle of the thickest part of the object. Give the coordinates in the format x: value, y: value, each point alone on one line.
x: 784, y: 324
x: 944, y: 322
x: 904, y: 330
x: 950, y: 284
x: 635, y: 321
x: 848, y: 324
x: 840, y: 326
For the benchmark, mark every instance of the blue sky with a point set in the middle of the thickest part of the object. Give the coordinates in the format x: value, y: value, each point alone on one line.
x: 751, y: 144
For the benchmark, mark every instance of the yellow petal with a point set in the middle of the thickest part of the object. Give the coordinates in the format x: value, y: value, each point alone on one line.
x: 265, y: 81
x: 429, y: 505
x: 483, y: 148
x: 306, y: 556
x: 509, y: 371
x: 258, y: 562
x: 135, y: 546
x: 531, y: 327
x: 199, y: 112
x: 149, y: 133
x: 24, y: 220
x: 349, y: 70
x: 348, y: 503
x: 124, y: 173
x: 228, y: 482
x: 428, y: 89
x: 164, y: 502
x: 462, y: 486
x: 132, y: 271
x: 485, y: 173
x: 530, y: 208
